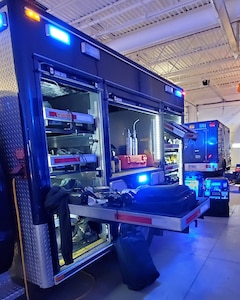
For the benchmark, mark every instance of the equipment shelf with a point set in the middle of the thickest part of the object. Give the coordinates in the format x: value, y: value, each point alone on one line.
x: 64, y: 160
x: 123, y: 215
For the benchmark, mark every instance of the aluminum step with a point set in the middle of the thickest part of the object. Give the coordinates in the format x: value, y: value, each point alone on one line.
x: 8, y: 289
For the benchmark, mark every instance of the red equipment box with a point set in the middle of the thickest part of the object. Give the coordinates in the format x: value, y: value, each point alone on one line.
x: 133, y: 161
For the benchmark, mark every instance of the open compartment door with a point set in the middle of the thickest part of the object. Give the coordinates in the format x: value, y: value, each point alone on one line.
x: 179, y: 131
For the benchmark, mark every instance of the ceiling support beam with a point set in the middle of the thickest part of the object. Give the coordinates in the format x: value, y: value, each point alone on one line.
x: 191, y: 22
x: 200, y: 20
x: 225, y: 22
x: 217, y: 93
x: 144, y: 17
x: 203, y: 68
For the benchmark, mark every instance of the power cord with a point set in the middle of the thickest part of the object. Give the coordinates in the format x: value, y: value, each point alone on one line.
x: 90, y: 289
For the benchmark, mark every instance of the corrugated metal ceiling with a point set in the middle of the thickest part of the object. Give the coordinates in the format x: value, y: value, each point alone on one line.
x: 184, y: 41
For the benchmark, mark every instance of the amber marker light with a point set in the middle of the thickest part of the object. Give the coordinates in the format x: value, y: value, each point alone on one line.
x: 32, y: 14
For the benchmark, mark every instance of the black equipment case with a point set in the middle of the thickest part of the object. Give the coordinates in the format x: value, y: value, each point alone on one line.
x: 165, y: 199
x: 217, y: 189
x: 135, y: 262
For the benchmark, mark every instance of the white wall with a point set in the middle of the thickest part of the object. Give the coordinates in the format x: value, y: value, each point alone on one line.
x: 226, y: 113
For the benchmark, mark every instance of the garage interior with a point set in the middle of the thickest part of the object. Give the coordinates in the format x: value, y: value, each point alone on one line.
x: 192, y: 43
x: 195, y: 45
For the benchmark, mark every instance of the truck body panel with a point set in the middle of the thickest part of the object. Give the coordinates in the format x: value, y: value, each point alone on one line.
x: 61, y: 109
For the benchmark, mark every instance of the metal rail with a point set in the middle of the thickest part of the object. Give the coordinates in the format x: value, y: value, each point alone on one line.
x: 122, y: 215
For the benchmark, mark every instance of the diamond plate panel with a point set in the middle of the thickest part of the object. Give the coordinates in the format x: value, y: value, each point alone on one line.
x: 9, y: 290
x: 35, y: 237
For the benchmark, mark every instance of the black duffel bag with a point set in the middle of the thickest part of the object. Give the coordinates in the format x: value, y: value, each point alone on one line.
x: 135, y: 261
x: 164, y: 199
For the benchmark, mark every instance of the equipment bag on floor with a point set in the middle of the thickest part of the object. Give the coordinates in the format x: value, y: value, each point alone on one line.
x: 135, y: 262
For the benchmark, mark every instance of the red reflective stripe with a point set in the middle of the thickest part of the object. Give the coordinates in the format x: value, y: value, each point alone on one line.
x: 52, y: 114
x: 137, y: 219
x: 59, y: 278
x: 193, y: 216
x: 169, y: 126
x: 66, y: 160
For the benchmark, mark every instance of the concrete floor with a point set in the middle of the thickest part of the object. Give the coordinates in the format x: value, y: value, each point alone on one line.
x: 201, y: 265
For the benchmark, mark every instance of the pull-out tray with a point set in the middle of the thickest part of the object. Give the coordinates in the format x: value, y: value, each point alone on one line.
x: 124, y: 215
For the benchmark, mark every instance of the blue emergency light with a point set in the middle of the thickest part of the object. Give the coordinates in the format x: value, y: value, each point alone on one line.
x: 58, y: 34
x: 178, y: 93
x: 3, y: 21
x: 143, y: 178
